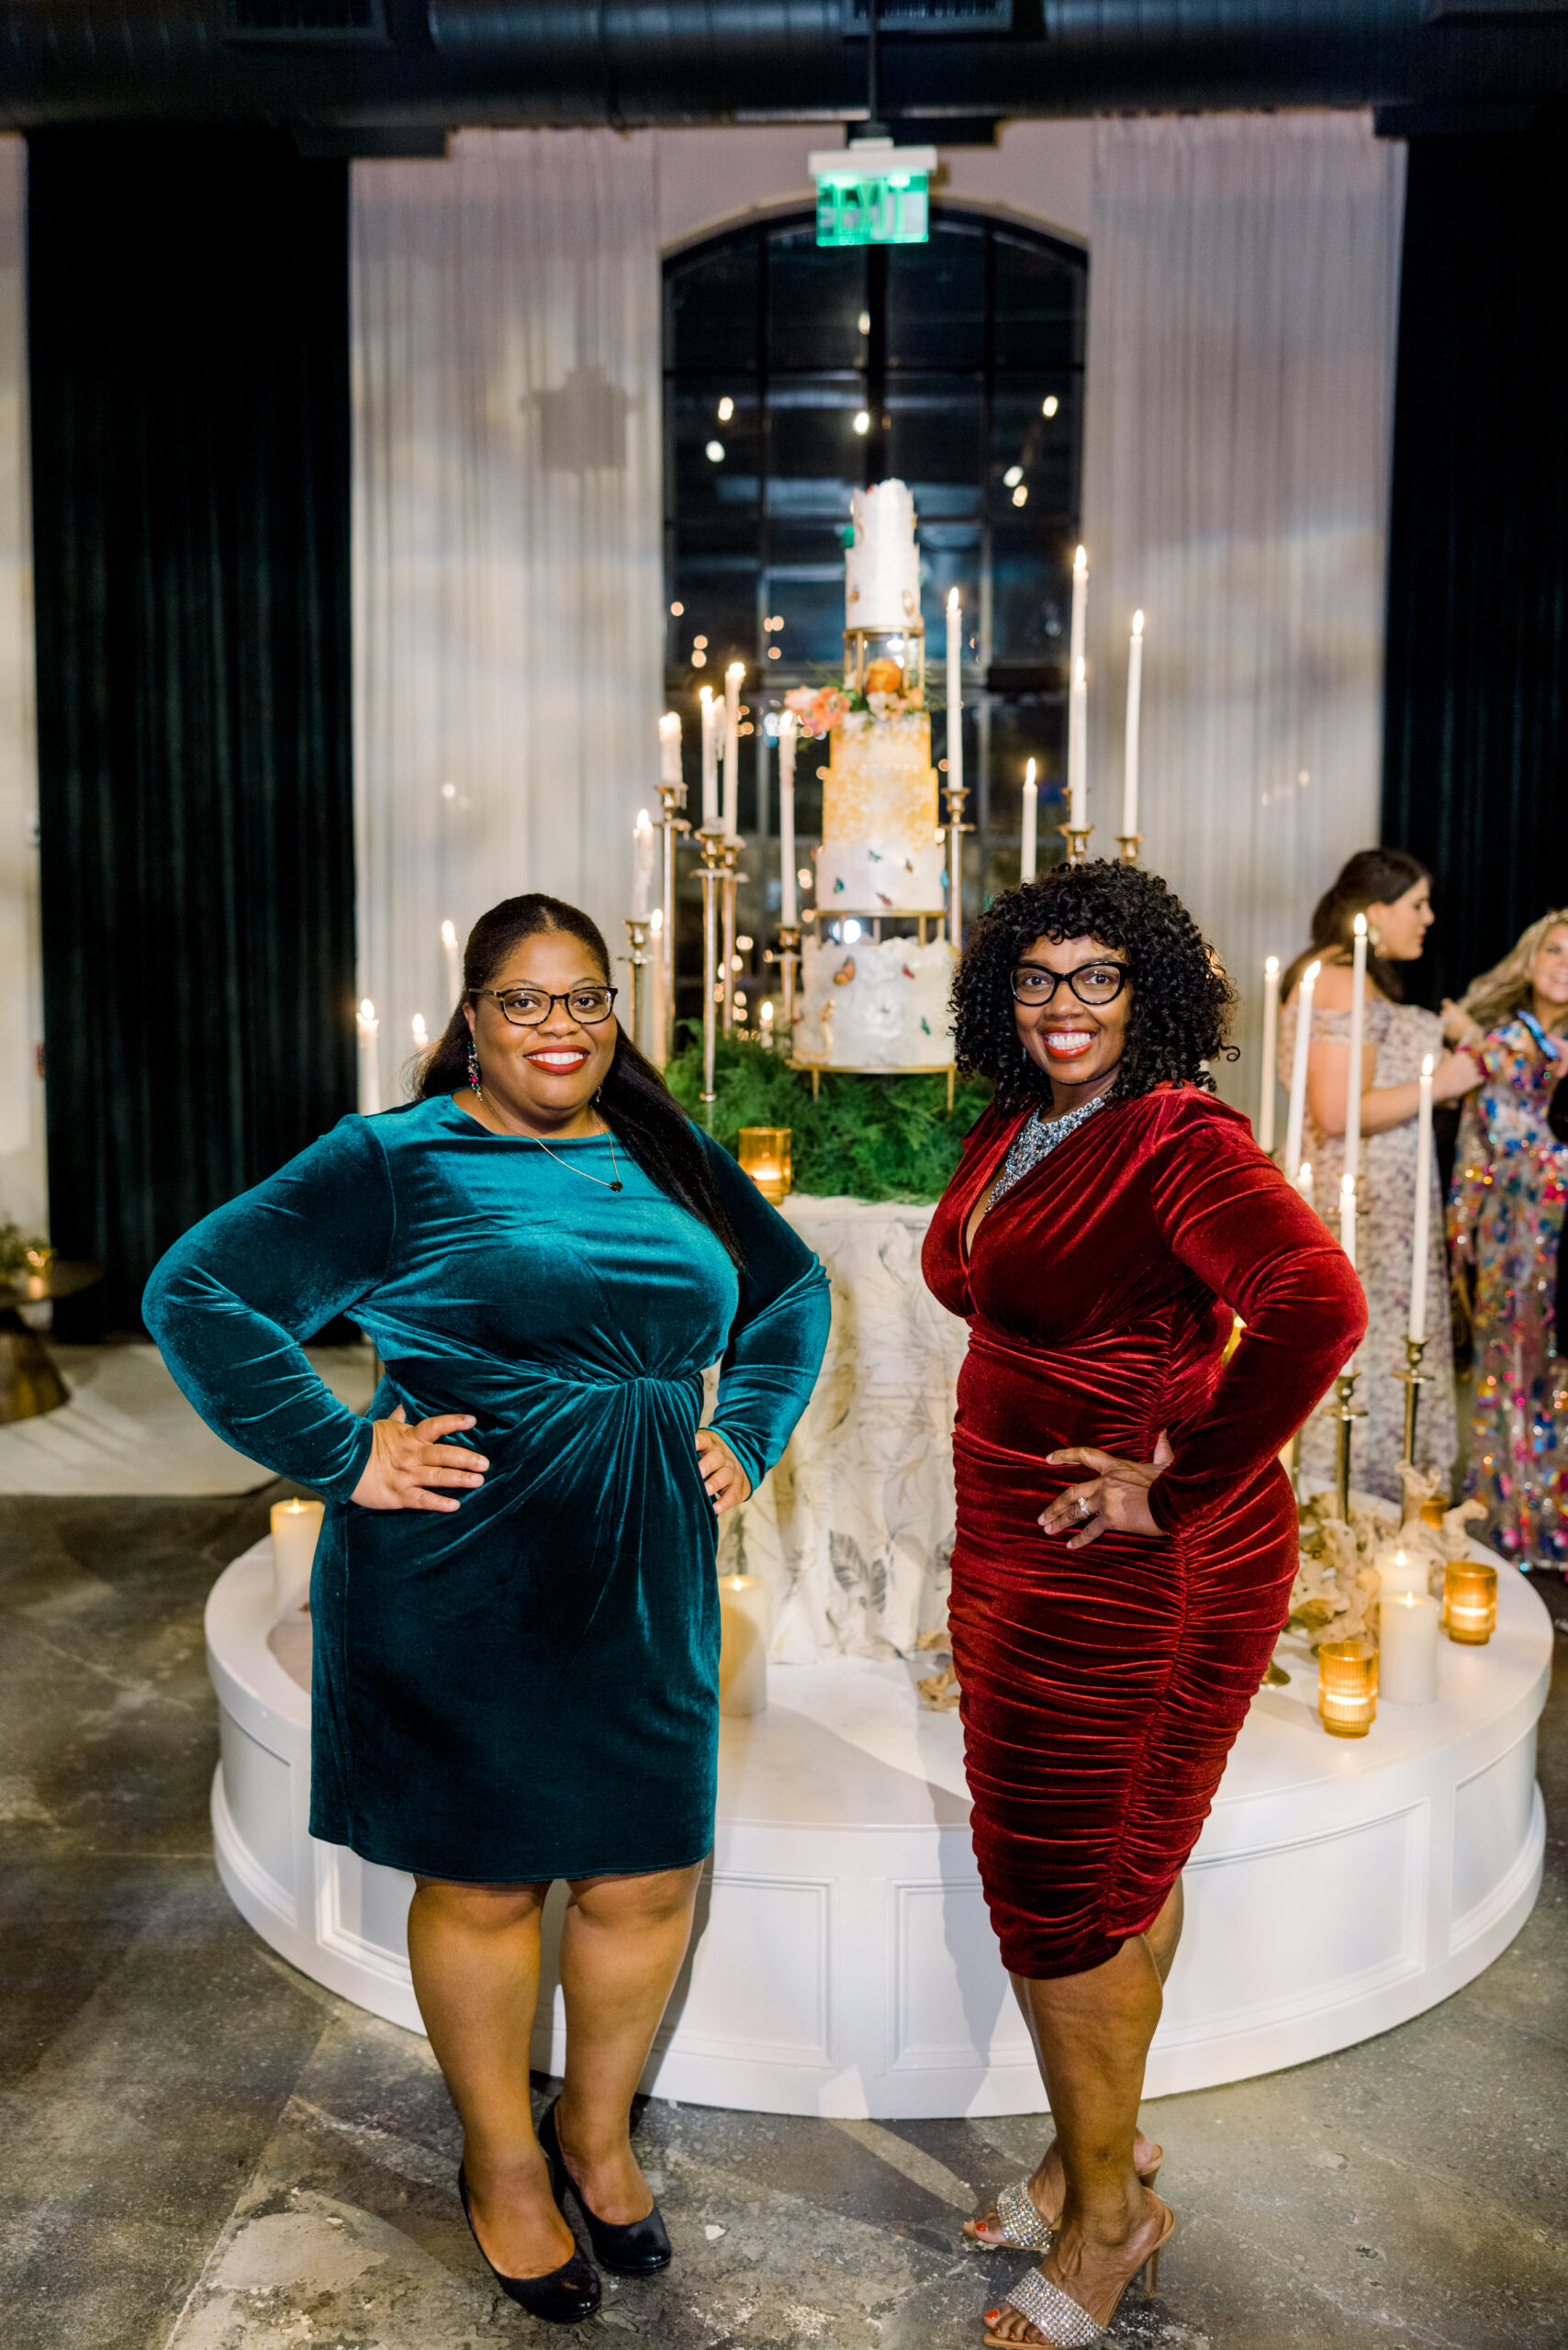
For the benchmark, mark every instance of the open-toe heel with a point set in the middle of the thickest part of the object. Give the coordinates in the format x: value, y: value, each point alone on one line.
x: 1024, y: 2227
x: 562, y: 2296
x: 640, y: 2249
x: 1060, y: 2320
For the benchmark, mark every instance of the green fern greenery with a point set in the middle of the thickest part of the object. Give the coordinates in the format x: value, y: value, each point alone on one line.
x: 872, y: 1138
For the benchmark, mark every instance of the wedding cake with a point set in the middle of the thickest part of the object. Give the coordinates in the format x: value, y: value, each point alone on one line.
x: 871, y: 1002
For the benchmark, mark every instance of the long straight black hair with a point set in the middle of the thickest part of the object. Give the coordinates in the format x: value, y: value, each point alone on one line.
x: 1373, y: 877
x: 633, y: 1100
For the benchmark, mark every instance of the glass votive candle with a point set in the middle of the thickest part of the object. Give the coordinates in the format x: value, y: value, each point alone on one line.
x: 1469, y: 1602
x: 296, y: 1526
x: 1347, y: 1687
x: 765, y: 1155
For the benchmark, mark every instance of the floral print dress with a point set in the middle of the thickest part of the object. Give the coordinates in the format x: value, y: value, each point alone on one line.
x: 1402, y: 1034
x: 1509, y: 1188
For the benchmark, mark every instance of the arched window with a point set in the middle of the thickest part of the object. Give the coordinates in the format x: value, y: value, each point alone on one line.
x: 793, y: 376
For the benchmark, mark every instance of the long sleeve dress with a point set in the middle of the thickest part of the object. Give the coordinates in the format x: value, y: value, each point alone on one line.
x: 1103, y: 1688
x: 527, y: 1687
x: 1511, y: 1188
x: 1401, y: 1035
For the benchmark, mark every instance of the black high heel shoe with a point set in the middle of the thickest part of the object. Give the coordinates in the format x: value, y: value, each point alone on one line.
x: 640, y: 2249
x: 562, y: 2296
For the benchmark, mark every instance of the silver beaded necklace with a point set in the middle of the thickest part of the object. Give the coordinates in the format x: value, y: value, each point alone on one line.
x: 1036, y: 1139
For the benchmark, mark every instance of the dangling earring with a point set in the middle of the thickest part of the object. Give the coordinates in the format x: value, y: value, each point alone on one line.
x: 474, y: 1072
x: 1374, y: 938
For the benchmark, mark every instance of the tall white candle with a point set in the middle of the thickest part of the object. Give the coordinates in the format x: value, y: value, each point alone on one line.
x: 1296, y: 1114
x: 642, y: 866
x: 1028, y: 852
x: 1421, y: 1232
x: 1271, y: 1054
x: 1358, y: 1022
x: 657, y: 1022
x: 788, y: 728
x: 295, y: 1526
x: 743, y: 1644
x: 1135, y: 706
x: 733, y: 677
x: 1303, y: 1181
x: 369, y: 1029
x: 669, y: 748
x: 1347, y: 1216
x: 709, y: 757
x: 450, y: 948
x: 1077, y: 697
x: 955, y: 691
x: 1407, y: 1648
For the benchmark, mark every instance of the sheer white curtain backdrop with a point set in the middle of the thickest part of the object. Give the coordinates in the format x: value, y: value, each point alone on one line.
x: 1243, y: 299
x: 23, y: 1181
x: 507, y: 570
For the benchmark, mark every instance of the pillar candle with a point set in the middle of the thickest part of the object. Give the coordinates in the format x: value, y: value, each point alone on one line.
x: 1358, y: 1018
x: 669, y: 748
x: 788, y: 728
x: 1028, y: 852
x: 1271, y: 1054
x: 1295, y: 1115
x: 710, y: 759
x: 733, y: 677
x: 369, y: 1029
x: 296, y: 1526
x: 1078, y: 698
x: 453, y: 963
x: 642, y: 866
x: 743, y: 1644
x: 1401, y: 1570
x: 1134, y: 704
x: 1421, y: 1232
x: 1408, y: 1648
x: 955, y: 691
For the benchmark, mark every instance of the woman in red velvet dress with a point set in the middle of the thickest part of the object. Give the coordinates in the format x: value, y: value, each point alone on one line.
x: 1127, y: 1540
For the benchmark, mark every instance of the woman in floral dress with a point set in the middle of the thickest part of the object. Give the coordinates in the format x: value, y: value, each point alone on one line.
x: 1510, y: 1186
x: 1394, y: 893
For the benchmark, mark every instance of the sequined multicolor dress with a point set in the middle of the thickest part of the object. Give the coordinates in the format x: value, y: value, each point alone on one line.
x: 1509, y: 1189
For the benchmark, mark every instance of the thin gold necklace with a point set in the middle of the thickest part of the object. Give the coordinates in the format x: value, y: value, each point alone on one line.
x: 616, y: 1186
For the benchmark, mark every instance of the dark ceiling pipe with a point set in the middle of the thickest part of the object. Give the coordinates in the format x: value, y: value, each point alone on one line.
x: 639, y: 61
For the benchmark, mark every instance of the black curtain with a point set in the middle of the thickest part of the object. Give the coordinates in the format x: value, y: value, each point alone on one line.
x: 188, y: 316
x: 1476, y: 721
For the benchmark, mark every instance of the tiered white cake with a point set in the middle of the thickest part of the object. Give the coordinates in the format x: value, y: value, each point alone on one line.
x: 879, y: 1003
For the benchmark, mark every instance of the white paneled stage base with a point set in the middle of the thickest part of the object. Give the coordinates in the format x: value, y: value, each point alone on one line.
x: 844, y: 1963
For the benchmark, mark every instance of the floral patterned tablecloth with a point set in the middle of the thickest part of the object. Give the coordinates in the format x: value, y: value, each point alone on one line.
x: 853, y: 1532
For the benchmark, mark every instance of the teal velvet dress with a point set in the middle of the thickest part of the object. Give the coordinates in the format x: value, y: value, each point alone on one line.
x: 527, y: 1687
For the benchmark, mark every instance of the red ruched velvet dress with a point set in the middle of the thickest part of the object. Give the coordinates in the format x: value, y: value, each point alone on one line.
x: 1103, y: 1688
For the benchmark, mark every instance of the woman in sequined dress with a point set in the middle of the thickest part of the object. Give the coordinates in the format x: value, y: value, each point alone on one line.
x: 1394, y: 893
x: 1509, y: 1188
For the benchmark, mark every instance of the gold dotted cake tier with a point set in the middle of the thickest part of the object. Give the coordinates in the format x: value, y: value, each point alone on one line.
x: 880, y: 850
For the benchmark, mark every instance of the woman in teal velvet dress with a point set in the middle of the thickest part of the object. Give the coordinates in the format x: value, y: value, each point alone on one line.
x: 525, y: 1687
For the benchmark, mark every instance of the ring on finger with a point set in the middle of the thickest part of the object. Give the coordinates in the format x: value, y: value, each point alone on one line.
x: 1085, y: 1507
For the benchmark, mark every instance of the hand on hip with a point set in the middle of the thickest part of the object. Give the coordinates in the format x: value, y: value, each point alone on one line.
x: 407, y: 1465
x: 1116, y: 1496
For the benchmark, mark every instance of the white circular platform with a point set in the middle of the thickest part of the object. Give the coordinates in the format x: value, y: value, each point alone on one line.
x: 844, y: 1963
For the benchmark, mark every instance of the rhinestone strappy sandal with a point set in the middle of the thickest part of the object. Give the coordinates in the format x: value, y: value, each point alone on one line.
x: 1024, y: 2227
x: 1062, y: 2322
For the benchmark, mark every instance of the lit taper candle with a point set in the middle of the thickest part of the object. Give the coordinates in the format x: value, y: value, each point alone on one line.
x: 788, y: 728
x: 1077, y: 697
x: 1420, y: 1235
x: 1295, y: 1116
x: 1270, y: 1083
x: 1028, y: 853
x: 1358, y: 1022
x: 955, y: 689
x: 1135, y: 710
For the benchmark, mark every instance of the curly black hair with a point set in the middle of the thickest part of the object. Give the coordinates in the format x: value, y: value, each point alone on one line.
x: 1181, y: 998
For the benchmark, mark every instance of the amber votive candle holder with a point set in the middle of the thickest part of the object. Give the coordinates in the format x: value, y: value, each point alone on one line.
x: 765, y: 1155
x: 1469, y: 1602
x: 1347, y: 1687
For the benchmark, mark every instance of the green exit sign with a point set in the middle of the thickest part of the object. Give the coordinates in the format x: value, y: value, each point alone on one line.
x: 873, y: 193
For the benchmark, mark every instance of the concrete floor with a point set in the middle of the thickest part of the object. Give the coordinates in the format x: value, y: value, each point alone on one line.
x: 199, y: 2150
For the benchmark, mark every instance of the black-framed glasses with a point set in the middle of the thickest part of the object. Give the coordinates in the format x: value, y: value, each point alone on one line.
x: 529, y: 1007
x: 1091, y: 983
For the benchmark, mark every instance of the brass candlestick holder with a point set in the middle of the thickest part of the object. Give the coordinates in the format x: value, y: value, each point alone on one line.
x: 1411, y: 1379
x: 1077, y: 839
x: 710, y: 874
x: 636, y: 960
x: 786, y: 954
x: 1129, y: 845
x: 1344, y: 1413
x: 672, y: 823
x: 955, y: 828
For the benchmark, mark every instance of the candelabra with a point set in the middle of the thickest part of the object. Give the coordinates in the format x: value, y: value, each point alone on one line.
x: 1343, y: 1413
x: 1129, y: 845
x: 955, y: 829
x: 729, y: 882
x: 672, y: 798
x: 1411, y: 1379
x: 637, y: 961
x: 711, y: 841
x: 1077, y: 839
x: 786, y: 954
